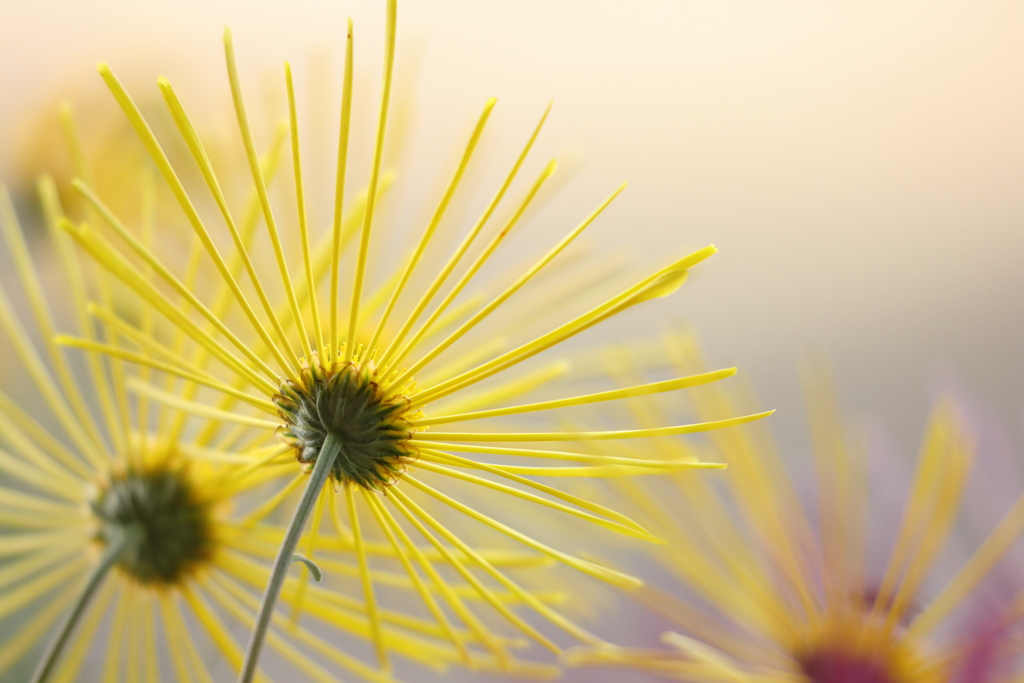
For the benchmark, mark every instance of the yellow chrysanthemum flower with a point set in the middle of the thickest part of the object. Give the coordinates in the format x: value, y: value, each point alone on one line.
x: 131, y: 515
x: 340, y: 385
x: 770, y: 595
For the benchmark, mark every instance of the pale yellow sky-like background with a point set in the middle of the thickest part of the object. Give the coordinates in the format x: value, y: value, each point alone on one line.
x: 859, y: 164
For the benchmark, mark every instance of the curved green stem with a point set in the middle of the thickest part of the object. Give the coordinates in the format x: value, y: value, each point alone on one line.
x: 110, y: 556
x: 328, y: 452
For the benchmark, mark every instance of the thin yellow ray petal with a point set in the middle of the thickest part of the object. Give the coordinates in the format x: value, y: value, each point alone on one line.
x: 937, y: 525
x: 641, y: 390
x: 146, y: 340
x: 127, y: 273
x: 133, y: 648
x: 454, y: 315
x: 482, y: 632
x: 527, y: 670
x: 604, y: 573
x: 215, y: 629
x: 621, y: 521
x: 275, y: 500
x: 300, y: 201
x: 347, y: 614
x: 19, y: 429
x: 517, y: 386
x: 471, y: 358
x: 31, y: 632
x: 838, y: 475
x: 661, y: 283
x: 435, y: 221
x: 201, y: 409
x: 218, y: 455
x: 511, y: 289
x: 549, y: 455
x: 150, y: 647
x: 274, y: 639
x: 339, y: 526
x: 270, y: 534
x: 31, y: 474
x: 15, y: 571
x: 400, y: 579
x: 329, y: 650
x: 148, y: 323
x: 697, y: 621
x: 173, y: 636
x: 698, y: 662
x: 371, y: 198
x: 412, y: 510
x: 235, y: 602
x: 693, y: 563
x: 271, y: 472
x: 734, y: 553
x: 30, y: 591
x: 73, y: 141
x: 432, y: 320
x: 118, y: 417
x: 167, y: 171
x: 29, y: 278
x: 166, y: 275
x: 258, y: 463
x: 19, y: 520
x: 451, y: 596
x: 933, y: 467
x: 53, y: 396
x: 339, y: 186
x: 367, y: 582
x: 633, y: 529
x: 998, y: 542
x: 261, y: 188
x: 84, y: 635
x: 320, y: 265
x: 21, y: 444
x: 199, y: 667
x: 199, y: 378
x: 223, y: 298
x: 756, y: 484
x: 115, y: 639
x: 453, y: 261
x: 17, y: 544
x: 590, y: 436
x: 605, y: 471
x: 208, y: 435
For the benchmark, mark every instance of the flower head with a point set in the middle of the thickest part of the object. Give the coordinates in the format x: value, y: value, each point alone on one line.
x: 770, y: 593
x: 346, y: 399
x: 128, y: 512
x: 346, y: 385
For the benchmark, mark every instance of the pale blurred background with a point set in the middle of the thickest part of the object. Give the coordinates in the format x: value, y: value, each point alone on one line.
x: 859, y: 164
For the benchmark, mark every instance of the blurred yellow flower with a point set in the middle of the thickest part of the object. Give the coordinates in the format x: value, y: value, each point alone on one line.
x: 339, y: 383
x: 770, y: 595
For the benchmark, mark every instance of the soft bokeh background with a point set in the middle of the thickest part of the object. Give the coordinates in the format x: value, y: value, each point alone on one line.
x: 859, y: 164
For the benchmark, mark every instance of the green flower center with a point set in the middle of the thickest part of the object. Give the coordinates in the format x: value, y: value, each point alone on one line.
x: 167, y: 525
x: 347, y: 401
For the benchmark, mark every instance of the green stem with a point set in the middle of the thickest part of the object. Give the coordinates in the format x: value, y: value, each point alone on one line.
x: 324, y: 461
x: 110, y: 556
